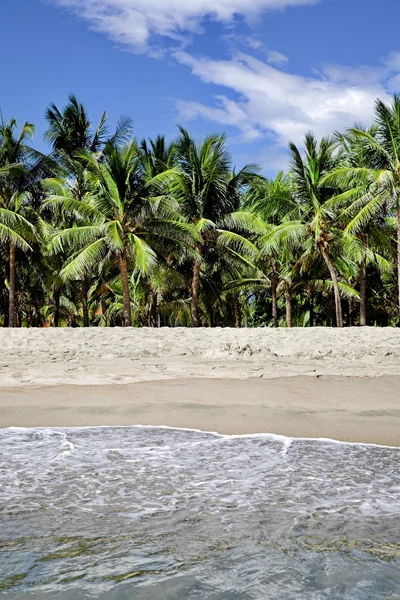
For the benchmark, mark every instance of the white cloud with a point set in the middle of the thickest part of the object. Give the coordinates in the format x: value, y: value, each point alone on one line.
x: 269, y: 101
x: 393, y: 61
x: 227, y: 112
x: 137, y: 22
x: 254, y: 43
x: 276, y: 58
x: 394, y: 84
x: 261, y: 100
x: 236, y: 40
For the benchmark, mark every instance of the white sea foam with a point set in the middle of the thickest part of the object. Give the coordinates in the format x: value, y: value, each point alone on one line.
x: 273, y: 436
x: 228, y: 512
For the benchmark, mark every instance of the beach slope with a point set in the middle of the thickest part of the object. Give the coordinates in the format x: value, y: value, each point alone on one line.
x: 340, y: 384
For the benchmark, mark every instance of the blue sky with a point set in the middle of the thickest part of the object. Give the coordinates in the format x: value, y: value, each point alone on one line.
x: 264, y: 71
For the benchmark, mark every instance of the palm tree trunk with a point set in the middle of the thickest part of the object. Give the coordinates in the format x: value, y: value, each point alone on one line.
x: 311, y: 303
x: 331, y: 268
x: 104, y: 310
x: 85, y: 305
x: 363, y: 293
x: 350, y: 315
x: 194, y: 305
x: 56, y: 308
x: 274, y: 296
x: 125, y: 290
x: 13, y: 269
x: 153, y: 309
x: 238, y: 316
x: 329, y: 312
x: 288, y: 299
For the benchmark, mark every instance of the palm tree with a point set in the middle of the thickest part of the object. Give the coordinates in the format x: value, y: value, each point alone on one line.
x: 127, y: 221
x: 373, y: 182
x: 315, y: 229
x: 210, y: 195
x: 70, y: 132
x: 354, y: 156
x: 272, y: 201
x: 18, y: 169
x: 112, y: 295
x: 157, y: 155
x: 287, y: 287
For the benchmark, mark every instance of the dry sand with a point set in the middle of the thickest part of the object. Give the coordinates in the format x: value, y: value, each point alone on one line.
x: 341, y: 384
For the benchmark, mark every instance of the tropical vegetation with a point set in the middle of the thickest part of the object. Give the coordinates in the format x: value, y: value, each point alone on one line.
x: 106, y: 230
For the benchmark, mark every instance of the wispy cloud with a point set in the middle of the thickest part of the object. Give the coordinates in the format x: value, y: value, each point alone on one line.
x: 276, y: 58
x: 138, y: 23
x: 264, y: 100
x: 261, y: 100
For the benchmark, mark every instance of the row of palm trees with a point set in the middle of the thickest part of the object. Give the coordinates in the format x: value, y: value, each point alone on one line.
x: 104, y: 230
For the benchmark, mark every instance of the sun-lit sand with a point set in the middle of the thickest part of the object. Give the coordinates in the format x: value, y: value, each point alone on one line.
x: 318, y: 382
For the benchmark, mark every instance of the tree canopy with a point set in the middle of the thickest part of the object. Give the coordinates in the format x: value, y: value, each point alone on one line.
x: 106, y: 230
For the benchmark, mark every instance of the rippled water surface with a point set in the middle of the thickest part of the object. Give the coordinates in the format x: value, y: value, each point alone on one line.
x: 153, y: 513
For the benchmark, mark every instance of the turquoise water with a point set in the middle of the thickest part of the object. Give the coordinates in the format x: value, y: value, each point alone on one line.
x: 157, y: 513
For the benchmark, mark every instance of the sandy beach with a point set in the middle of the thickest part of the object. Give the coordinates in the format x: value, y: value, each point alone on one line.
x: 338, y: 384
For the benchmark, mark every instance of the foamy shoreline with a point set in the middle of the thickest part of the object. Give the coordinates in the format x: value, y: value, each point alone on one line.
x: 314, y: 383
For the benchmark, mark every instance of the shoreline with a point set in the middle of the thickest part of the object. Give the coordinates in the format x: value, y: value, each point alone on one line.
x: 344, y: 409
x: 227, y: 436
x: 314, y: 383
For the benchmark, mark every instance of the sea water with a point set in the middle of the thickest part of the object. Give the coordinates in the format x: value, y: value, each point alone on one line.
x: 157, y: 513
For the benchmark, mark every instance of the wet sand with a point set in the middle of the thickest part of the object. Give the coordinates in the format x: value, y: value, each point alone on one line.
x: 351, y: 409
x: 320, y: 382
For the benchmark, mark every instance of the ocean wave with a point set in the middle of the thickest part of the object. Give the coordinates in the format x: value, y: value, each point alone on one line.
x: 91, y: 508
